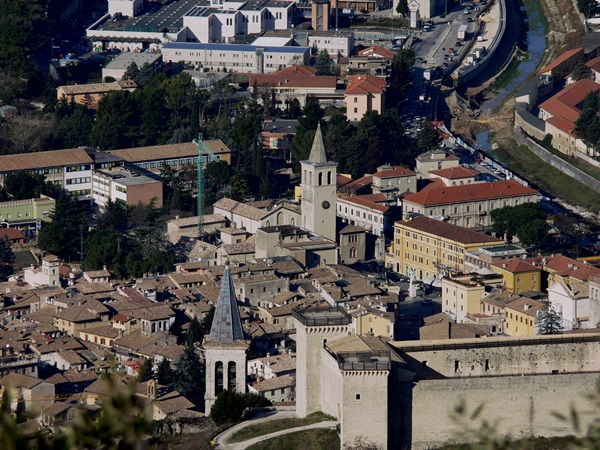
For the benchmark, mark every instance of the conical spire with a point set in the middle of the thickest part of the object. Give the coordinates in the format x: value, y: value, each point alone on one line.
x: 317, y: 152
x: 226, y: 324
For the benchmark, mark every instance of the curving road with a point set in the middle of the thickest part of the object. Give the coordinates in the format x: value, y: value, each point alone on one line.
x: 222, y: 440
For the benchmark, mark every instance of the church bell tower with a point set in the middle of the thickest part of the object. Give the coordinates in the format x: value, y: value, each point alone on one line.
x: 319, y: 190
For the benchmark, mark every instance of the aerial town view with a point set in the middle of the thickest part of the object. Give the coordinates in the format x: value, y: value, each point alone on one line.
x: 300, y: 224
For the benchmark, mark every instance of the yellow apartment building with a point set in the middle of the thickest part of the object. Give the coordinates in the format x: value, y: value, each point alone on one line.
x: 519, y: 275
x: 373, y: 321
x: 462, y: 295
x: 520, y: 317
x: 431, y: 248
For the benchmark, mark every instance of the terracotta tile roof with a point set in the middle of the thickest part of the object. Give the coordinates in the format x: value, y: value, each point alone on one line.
x: 57, y: 408
x: 359, y: 182
x: 54, y: 158
x: 377, y: 52
x: 563, y: 125
x: 294, y: 77
x: 566, y: 103
x: 525, y: 305
x: 447, y: 230
x: 394, y: 173
x: 359, y: 200
x: 17, y: 380
x: 235, y: 207
x: 161, y: 152
x: 11, y: 233
x: 429, y: 156
x: 454, y: 173
x: 304, y: 70
x: 365, y: 84
x: 568, y: 267
x: 517, y: 266
x: 594, y: 63
x: 469, y: 193
x: 274, y: 383
x: 348, y: 229
x: 562, y: 58
x: 342, y: 180
x: 97, y: 88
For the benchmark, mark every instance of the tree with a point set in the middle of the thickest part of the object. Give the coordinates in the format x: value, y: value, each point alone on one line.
x: 550, y: 321
x: 132, y: 72
x: 400, y: 75
x: 7, y: 257
x: 195, y: 333
x: 190, y: 374
x: 581, y: 71
x: 229, y: 406
x: 165, y: 374
x: 240, y: 190
x: 402, y: 7
x: 115, y: 215
x: 509, y: 220
x: 534, y: 232
x: 324, y: 64
x: 62, y: 235
x: 24, y: 185
x: 428, y: 138
x: 146, y: 372
x: 588, y: 124
x: 587, y: 7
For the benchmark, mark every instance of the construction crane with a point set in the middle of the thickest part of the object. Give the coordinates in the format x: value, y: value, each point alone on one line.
x: 210, y: 157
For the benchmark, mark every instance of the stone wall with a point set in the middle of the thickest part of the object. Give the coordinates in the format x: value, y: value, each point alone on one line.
x: 557, y: 162
x: 525, y: 120
x: 522, y: 405
x: 492, y: 357
x: 476, y: 70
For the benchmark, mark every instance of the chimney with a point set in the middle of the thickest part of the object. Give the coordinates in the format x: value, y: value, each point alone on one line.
x: 104, y: 267
x: 268, y: 360
x: 32, y: 266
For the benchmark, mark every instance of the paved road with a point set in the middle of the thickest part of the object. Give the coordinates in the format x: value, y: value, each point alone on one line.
x: 222, y: 438
x: 248, y: 443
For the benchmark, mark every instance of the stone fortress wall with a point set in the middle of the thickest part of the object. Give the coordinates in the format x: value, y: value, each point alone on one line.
x: 520, y: 382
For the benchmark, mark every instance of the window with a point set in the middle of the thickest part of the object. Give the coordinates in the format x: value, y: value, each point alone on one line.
x: 355, y: 100
x: 358, y: 397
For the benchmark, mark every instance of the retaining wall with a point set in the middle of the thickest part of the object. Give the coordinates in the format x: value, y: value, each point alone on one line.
x: 475, y: 70
x: 557, y: 162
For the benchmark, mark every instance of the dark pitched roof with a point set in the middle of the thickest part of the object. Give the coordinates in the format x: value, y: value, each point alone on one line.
x: 227, y: 324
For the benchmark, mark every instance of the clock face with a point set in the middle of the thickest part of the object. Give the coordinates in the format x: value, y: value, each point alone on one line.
x: 325, y: 204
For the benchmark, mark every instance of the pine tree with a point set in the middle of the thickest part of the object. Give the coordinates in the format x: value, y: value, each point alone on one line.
x: 164, y: 373
x: 550, y: 322
x: 7, y: 257
x: 194, y: 331
x: 146, y: 371
x: 240, y: 190
x: 190, y: 374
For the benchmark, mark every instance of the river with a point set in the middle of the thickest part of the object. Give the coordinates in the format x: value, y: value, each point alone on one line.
x: 536, y: 45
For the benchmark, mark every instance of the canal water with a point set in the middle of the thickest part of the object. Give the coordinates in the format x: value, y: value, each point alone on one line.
x: 535, y: 43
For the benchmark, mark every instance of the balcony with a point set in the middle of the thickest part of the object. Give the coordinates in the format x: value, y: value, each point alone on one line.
x: 18, y: 360
x: 321, y: 316
x: 373, y: 360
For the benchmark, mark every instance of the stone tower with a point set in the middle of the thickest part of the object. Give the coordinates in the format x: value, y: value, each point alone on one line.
x: 50, y: 265
x: 314, y: 328
x: 225, y: 347
x: 319, y: 190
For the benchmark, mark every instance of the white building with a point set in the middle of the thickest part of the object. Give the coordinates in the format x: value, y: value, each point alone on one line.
x: 70, y: 169
x: 235, y: 58
x: 572, y: 302
x: 118, y: 66
x: 126, y: 186
x: 367, y: 212
x: 335, y: 42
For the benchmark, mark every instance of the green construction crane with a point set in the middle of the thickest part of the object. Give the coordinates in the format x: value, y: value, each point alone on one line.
x: 203, y: 151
